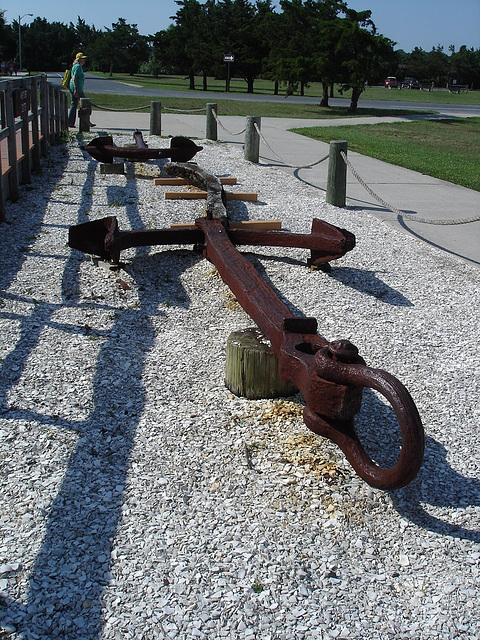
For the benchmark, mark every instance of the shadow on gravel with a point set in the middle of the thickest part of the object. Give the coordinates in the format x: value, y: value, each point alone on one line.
x: 368, y: 282
x: 72, y: 567
x: 363, y: 281
x: 437, y: 485
x: 420, y: 236
x: 440, y: 487
x: 14, y: 246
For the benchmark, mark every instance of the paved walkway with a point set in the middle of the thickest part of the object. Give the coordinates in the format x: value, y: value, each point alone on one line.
x: 406, y: 190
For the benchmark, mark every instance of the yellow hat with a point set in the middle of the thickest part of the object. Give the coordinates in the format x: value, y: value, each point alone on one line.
x: 80, y: 55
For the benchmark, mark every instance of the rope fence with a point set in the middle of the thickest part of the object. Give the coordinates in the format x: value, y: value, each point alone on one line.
x: 217, y: 120
x: 403, y: 214
x: 202, y: 110
x: 343, y: 155
x: 147, y: 106
x: 97, y: 106
x: 305, y: 166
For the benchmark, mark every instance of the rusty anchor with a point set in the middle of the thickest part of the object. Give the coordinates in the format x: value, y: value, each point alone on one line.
x: 104, y: 150
x: 330, y: 375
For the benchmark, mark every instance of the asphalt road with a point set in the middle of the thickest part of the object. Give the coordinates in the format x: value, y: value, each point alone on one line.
x: 94, y: 84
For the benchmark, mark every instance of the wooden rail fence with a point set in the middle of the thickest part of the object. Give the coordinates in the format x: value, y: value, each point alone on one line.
x: 33, y: 116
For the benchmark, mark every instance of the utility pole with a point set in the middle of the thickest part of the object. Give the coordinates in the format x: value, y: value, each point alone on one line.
x: 20, y: 38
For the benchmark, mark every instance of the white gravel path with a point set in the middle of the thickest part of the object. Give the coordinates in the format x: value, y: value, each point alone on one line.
x: 127, y: 507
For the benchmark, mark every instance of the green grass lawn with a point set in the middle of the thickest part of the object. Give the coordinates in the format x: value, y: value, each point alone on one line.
x: 241, y: 107
x: 445, y: 149
x: 238, y: 85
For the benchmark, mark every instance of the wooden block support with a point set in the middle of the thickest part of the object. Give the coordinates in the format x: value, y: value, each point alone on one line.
x: 115, y: 168
x: 170, y: 182
x: 251, y: 369
x: 202, y: 195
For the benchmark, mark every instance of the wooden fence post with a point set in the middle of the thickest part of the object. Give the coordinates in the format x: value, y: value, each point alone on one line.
x: 44, y: 116
x: 51, y: 114
x: 25, y: 139
x: 13, y: 179
x: 252, y: 139
x: 84, y: 114
x: 155, y: 118
x: 211, y: 124
x: 36, y: 163
x: 3, y: 124
x: 64, y: 110
x: 337, y: 174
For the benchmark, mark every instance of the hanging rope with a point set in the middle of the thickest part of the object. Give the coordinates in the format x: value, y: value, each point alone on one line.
x: 97, y: 106
x: 147, y: 106
x: 239, y: 133
x: 184, y: 110
x: 409, y: 216
x: 305, y: 166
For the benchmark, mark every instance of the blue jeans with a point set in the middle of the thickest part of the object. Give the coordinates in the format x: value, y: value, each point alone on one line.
x: 72, y: 112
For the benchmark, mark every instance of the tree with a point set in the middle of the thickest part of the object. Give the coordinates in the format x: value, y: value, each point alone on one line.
x: 363, y: 55
x: 291, y: 59
x: 185, y: 38
x: 8, y: 39
x: 327, y: 33
x: 85, y: 34
x: 121, y: 47
x: 47, y: 46
x: 465, y: 66
x: 164, y: 56
x: 240, y: 29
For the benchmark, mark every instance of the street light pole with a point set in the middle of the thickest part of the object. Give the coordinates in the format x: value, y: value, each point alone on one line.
x: 20, y: 38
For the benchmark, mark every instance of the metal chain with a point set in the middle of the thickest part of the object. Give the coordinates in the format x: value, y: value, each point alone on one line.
x: 219, y: 123
x: 410, y: 216
x: 305, y: 166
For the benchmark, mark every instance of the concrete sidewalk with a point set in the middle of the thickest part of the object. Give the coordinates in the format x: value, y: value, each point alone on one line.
x: 405, y: 190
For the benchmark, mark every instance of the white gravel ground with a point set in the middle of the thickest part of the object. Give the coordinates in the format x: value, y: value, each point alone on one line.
x: 128, y: 508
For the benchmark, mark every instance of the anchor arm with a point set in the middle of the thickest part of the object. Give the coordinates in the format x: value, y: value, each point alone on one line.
x: 103, y: 238
x: 326, y: 242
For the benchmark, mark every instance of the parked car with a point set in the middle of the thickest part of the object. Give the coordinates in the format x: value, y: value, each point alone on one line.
x: 391, y: 83
x: 410, y: 83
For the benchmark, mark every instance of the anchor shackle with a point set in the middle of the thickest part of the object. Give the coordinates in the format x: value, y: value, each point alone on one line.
x: 338, y: 362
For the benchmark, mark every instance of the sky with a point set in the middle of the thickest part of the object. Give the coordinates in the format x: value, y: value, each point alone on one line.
x: 409, y: 23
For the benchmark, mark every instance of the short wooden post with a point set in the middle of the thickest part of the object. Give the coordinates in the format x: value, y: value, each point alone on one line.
x: 84, y: 114
x: 252, y: 138
x: 155, y: 118
x: 337, y: 174
x: 252, y: 367
x: 211, y: 125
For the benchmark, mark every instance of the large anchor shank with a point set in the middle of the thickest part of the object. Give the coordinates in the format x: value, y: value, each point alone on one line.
x: 330, y: 376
